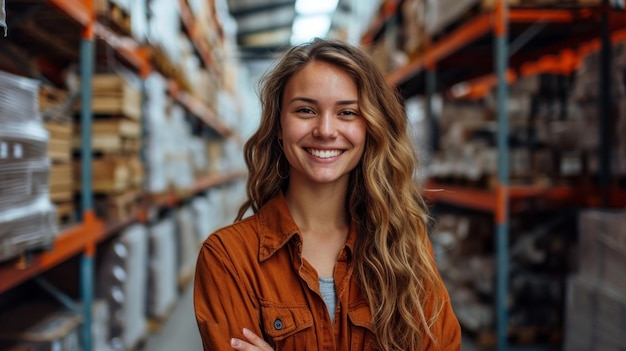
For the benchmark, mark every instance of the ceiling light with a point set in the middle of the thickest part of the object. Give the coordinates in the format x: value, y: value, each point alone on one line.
x: 306, y: 28
x: 314, y: 7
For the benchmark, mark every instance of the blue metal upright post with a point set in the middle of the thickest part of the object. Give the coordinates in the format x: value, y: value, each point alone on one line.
x: 87, y: 260
x: 502, y: 212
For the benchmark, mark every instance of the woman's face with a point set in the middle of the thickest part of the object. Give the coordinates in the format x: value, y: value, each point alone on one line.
x: 322, y: 130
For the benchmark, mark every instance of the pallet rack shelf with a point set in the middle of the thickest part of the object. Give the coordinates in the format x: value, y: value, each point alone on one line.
x: 487, y: 200
x: 82, y: 238
x: 488, y: 45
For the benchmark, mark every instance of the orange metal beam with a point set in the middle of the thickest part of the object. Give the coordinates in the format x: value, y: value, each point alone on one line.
x: 472, y: 30
x: 212, y: 180
x: 198, y: 109
x: 487, y: 200
x: 67, y: 244
x: 196, y: 37
x: 385, y: 11
x: 75, y: 9
x: 126, y: 47
x: 545, y: 15
x: 456, y: 195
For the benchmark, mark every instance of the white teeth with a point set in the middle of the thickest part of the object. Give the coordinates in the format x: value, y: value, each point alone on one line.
x: 325, y: 153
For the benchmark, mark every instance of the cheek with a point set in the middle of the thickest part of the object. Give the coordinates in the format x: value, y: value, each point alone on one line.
x: 358, y: 135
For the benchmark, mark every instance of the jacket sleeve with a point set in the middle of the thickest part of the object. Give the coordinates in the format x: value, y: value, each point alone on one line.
x: 446, y: 329
x: 222, y: 302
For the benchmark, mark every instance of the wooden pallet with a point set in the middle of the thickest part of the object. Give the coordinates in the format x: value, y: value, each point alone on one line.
x: 60, y: 142
x: 61, y: 182
x: 119, y: 207
x: 113, y: 95
x: 65, y: 213
x: 54, y: 104
x: 114, y: 16
x: 115, y: 135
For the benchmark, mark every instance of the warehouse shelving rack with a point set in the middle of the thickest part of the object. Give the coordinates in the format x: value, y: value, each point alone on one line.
x: 83, y: 237
x: 463, y: 55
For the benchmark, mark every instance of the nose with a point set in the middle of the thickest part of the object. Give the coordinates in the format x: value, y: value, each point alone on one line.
x: 326, y: 126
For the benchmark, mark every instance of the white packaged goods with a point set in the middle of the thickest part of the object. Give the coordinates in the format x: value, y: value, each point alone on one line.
x: 40, y: 325
x: 19, y: 98
x: 101, y: 319
x: 27, y: 218
x: 27, y: 228
x: 163, y: 277
x: 202, y: 217
x: 602, y: 247
x: 156, y: 105
x: 441, y: 13
x: 122, y: 282
x: 595, y: 316
x: 164, y: 27
x: 179, y: 170
x: 199, y: 156
x: 21, y: 185
x: 188, y: 244
x: 139, y: 20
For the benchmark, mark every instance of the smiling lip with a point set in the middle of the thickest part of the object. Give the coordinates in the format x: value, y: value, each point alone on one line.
x: 324, y: 153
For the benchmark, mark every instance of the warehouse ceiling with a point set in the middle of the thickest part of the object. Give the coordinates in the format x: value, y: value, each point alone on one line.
x: 265, y: 26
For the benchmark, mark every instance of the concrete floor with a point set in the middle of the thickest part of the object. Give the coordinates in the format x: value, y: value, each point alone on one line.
x: 180, y: 331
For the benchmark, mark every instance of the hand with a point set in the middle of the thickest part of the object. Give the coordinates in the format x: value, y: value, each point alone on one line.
x: 255, y: 343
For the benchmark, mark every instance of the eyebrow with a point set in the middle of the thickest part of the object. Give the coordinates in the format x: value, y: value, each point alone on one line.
x: 313, y: 101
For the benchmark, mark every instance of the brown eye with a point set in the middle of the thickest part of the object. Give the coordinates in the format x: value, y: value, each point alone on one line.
x: 304, y: 110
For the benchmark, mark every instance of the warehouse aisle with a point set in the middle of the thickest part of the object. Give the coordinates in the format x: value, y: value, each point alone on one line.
x: 179, y: 331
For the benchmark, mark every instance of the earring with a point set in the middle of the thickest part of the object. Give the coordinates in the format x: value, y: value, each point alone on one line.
x: 278, y: 170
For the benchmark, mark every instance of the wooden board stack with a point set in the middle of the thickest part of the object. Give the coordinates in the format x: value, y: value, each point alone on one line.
x: 117, y: 172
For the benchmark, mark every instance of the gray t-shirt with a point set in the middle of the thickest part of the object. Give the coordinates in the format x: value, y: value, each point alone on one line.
x: 327, y: 288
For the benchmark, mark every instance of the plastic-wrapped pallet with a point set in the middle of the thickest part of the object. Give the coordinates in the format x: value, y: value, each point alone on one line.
x: 602, y: 247
x: 40, y: 326
x: 100, y: 324
x: 179, y: 168
x: 122, y: 282
x: 188, y: 245
x: 156, y: 105
x: 27, y: 218
x: 163, y: 277
x: 202, y: 214
x: 595, y: 316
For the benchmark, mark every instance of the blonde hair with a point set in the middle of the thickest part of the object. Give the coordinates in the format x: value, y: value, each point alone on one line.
x: 393, y: 260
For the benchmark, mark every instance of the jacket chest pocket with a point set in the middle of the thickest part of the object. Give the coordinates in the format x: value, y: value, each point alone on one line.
x: 287, y: 327
x: 362, y: 335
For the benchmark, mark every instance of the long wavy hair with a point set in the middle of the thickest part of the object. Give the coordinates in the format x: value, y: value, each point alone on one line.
x: 392, y: 259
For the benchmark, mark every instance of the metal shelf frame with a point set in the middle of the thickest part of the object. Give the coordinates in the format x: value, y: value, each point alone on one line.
x: 83, y: 238
x: 503, y: 200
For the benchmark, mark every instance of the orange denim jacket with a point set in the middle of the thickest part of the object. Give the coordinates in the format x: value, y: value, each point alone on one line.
x: 251, y: 274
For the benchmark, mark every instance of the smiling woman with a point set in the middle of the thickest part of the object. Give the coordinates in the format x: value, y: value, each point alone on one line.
x: 322, y: 130
x: 335, y: 254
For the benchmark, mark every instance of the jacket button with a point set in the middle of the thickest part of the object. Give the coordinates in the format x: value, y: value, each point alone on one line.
x: 278, y: 324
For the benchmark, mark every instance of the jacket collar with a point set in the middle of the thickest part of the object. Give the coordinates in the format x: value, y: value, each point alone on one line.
x: 277, y: 227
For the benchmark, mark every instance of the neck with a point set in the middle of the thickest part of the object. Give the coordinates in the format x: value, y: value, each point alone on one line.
x: 318, y: 209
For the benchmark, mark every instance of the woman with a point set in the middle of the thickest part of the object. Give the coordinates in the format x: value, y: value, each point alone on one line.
x: 336, y: 254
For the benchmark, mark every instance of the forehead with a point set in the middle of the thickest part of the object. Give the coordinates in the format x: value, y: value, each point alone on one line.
x: 321, y: 78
